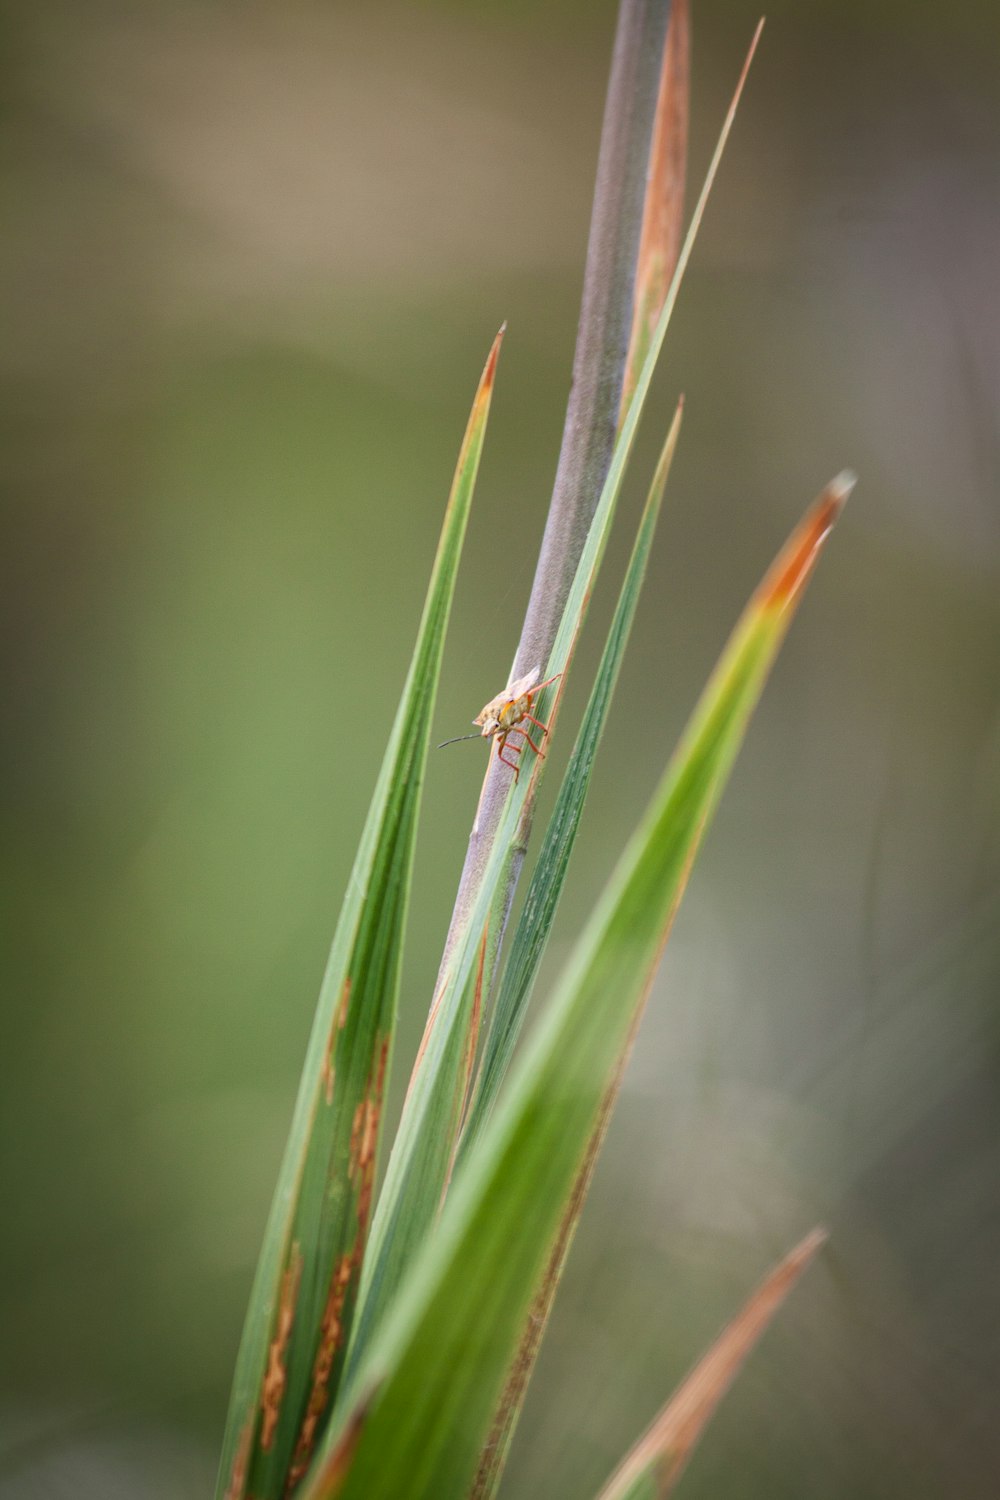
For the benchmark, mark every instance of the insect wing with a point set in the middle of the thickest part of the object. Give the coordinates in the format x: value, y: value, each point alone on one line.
x: 514, y: 691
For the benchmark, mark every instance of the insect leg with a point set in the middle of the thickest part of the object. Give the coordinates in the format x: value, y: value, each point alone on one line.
x: 516, y: 729
x: 501, y: 747
x: 531, y: 719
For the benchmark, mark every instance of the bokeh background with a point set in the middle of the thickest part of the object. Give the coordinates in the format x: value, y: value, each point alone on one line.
x: 253, y: 258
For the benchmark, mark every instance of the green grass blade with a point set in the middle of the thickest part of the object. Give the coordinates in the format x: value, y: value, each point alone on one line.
x: 433, y: 1373
x: 425, y: 1144
x: 294, y: 1337
x: 652, y: 1468
x: 545, y: 887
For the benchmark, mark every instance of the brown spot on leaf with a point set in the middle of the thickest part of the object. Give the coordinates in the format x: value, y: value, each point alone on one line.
x: 331, y: 1338
x: 238, y: 1476
x: 275, y: 1380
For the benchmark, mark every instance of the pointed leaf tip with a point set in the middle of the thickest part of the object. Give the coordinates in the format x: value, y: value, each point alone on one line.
x: 658, y: 1459
x: 494, y: 354
x: 663, y: 208
x: 798, y: 557
x: 744, y: 72
x: 808, y: 1247
x: 749, y: 58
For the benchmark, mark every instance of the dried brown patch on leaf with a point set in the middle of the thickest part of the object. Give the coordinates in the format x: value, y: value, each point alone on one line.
x: 361, y: 1173
x: 236, y: 1487
x: 272, y: 1390
x: 331, y: 1338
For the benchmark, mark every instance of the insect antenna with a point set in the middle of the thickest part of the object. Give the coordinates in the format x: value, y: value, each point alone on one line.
x: 476, y: 736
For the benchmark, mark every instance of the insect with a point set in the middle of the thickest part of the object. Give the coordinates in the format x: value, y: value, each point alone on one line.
x: 504, y: 715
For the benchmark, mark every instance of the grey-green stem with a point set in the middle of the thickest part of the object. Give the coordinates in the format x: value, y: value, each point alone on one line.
x: 595, y: 395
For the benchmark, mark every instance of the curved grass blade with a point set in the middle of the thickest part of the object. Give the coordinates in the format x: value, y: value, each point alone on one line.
x: 305, y: 1288
x: 545, y: 887
x: 663, y: 210
x: 425, y: 1143
x: 653, y: 1467
x: 435, y: 1368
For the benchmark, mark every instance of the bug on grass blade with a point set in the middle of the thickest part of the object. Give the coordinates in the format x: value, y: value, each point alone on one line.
x: 504, y: 715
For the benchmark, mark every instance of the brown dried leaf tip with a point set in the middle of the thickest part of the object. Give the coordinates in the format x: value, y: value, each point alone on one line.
x: 662, y: 1453
x: 490, y: 370
x: 663, y: 209
x: 273, y: 1389
x: 797, y: 558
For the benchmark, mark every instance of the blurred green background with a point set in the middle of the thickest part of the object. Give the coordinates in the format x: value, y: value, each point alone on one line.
x: 254, y: 256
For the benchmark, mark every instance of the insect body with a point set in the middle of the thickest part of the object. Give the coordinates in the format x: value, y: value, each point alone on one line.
x: 505, y: 714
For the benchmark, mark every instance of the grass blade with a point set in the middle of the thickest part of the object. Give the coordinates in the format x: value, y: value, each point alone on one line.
x: 545, y: 887
x: 433, y: 1373
x: 425, y: 1143
x: 663, y: 210
x: 653, y: 1467
x: 527, y: 949
x: 305, y: 1288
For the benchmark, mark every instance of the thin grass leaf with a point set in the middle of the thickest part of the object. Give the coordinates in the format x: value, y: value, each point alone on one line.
x: 652, y: 1468
x: 528, y: 946
x: 496, y: 1449
x: 433, y: 1373
x: 304, y: 1292
x: 663, y: 210
x: 545, y: 888
x: 425, y: 1143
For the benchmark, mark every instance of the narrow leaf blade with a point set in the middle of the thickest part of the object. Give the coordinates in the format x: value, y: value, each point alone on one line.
x: 653, y: 1467
x: 300, y: 1309
x: 548, y: 877
x: 435, y: 1369
x: 426, y: 1140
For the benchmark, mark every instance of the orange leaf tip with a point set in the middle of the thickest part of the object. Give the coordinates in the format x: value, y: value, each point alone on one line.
x: 491, y: 363
x: 797, y: 559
